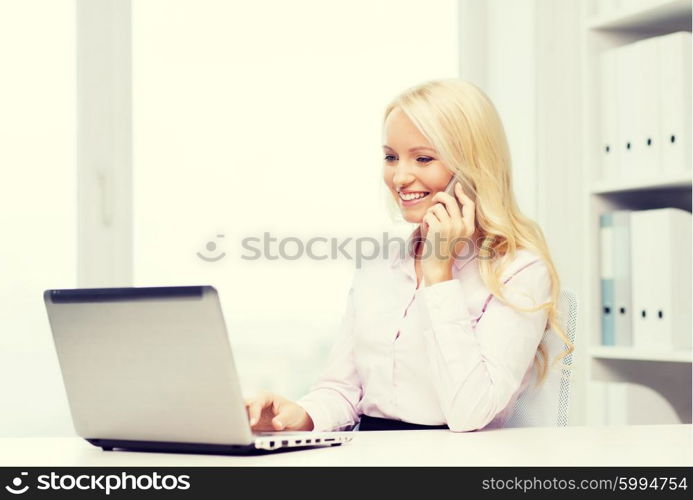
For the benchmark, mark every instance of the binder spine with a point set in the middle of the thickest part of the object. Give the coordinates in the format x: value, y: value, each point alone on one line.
x: 606, y: 278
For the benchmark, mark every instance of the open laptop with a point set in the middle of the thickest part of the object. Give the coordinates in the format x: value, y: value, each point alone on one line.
x: 151, y: 369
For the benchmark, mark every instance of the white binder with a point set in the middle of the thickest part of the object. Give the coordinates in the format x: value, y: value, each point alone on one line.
x: 609, y: 145
x: 661, y: 279
x: 627, y: 110
x: 672, y: 285
x: 675, y: 102
x: 643, y: 270
x: 647, y: 130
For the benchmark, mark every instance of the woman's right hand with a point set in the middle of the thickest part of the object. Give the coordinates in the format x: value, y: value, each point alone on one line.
x: 271, y: 412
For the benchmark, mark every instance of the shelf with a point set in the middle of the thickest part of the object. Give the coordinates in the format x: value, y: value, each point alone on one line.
x: 676, y: 181
x: 667, y: 372
x: 662, y: 16
x: 631, y: 353
x: 670, y: 376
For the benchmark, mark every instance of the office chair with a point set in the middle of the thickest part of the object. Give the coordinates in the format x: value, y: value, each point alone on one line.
x: 548, y: 404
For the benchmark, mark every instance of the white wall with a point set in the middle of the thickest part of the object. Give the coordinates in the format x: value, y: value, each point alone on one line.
x: 38, y: 202
x: 266, y: 116
x: 104, y: 143
x: 497, y: 53
x: 511, y: 84
x: 559, y: 159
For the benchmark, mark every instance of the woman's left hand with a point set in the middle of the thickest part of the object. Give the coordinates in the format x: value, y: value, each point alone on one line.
x: 447, y: 229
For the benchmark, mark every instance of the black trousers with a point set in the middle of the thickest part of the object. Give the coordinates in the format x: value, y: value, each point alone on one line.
x: 385, y: 424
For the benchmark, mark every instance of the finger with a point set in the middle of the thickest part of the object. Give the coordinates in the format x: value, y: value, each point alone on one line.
x: 449, y: 202
x: 282, y: 418
x: 277, y: 424
x: 441, y: 213
x: 275, y: 406
x: 277, y: 403
x: 468, y: 215
x: 255, y: 408
x: 431, y: 220
x: 441, y: 218
x: 254, y: 412
x: 462, y: 197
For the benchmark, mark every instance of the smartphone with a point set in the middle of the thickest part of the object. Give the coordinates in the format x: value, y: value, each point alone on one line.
x: 450, y: 189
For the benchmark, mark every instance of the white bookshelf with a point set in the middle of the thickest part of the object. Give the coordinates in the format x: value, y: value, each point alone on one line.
x: 655, y: 183
x: 666, y: 372
x: 615, y: 352
x: 664, y: 16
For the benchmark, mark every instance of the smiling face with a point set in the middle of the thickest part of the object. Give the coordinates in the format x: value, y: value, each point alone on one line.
x: 411, y: 167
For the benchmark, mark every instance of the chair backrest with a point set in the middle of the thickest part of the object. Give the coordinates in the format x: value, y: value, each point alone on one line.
x: 548, y: 404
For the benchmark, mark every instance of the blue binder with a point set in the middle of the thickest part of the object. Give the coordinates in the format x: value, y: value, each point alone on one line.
x: 606, y: 276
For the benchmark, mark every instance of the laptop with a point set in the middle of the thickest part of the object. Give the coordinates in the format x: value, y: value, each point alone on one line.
x: 151, y: 369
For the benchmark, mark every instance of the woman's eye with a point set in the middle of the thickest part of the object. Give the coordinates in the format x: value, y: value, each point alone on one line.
x: 420, y: 159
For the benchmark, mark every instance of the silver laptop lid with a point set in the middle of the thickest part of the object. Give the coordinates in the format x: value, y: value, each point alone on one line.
x: 148, y: 364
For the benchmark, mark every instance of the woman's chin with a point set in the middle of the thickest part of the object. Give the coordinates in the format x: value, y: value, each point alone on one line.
x: 412, y: 218
x: 413, y: 214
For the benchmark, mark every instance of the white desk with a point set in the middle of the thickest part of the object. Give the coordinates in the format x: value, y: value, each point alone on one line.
x: 634, y: 445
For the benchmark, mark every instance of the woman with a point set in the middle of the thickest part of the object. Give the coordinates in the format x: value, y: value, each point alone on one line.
x: 446, y: 334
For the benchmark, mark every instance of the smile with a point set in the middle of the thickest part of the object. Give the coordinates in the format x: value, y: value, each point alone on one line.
x: 408, y: 199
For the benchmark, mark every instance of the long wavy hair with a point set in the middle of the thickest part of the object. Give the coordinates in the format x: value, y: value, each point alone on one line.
x: 463, y: 125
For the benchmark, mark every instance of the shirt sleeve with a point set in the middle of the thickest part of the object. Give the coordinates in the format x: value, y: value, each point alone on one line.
x: 333, y: 400
x: 477, y: 369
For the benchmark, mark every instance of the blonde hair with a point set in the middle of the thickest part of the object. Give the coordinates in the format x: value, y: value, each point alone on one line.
x: 462, y: 124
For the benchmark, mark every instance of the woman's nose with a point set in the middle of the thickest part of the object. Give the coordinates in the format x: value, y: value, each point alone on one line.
x: 403, y: 175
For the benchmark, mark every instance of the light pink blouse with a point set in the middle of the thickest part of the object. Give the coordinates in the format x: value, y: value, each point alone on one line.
x: 448, y: 353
